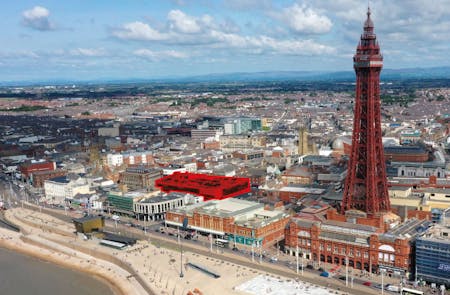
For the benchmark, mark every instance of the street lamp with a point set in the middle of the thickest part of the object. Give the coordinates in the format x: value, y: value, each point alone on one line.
x: 260, y: 252
x: 346, y: 271
x: 185, y: 224
x: 302, y: 262
x: 253, y: 252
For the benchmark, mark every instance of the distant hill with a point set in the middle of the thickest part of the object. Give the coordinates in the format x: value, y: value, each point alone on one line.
x: 276, y: 76
x: 386, y: 74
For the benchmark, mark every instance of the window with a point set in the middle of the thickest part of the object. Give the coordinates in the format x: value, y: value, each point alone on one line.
x: 321, y: 247
x: 329, y: 248
x: 336, y: 250
x: 343, y: 251
x: 358, y: 253
x: 366, y: 254
x: 350, y: 252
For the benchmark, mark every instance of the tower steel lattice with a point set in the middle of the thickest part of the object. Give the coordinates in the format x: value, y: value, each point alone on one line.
x: 366, y: 184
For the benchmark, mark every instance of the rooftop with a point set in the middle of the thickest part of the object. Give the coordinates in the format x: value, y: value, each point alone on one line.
x: 87, y: 218
x: 162, y: 198
x: 410, y: 228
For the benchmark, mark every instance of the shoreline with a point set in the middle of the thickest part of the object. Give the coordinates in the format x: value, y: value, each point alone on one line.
x: 49, y: 258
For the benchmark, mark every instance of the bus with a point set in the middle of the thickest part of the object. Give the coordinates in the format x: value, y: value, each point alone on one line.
x: 222, y: 243
x: 407, y: 291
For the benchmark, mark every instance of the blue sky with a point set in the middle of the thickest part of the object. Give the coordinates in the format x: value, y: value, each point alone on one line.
x: 121, y: 39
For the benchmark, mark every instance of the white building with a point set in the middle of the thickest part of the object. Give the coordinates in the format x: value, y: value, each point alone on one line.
x: 155, y: 207
x: 114, y: 160
x: 65, y: 187
x: 171, y: 169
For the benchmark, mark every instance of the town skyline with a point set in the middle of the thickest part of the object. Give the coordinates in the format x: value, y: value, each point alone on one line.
x: 51, y: 40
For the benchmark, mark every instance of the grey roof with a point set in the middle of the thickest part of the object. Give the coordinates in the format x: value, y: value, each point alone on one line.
x: 87, y: 218
x: 60, y: 179
x: 161, y: 198
x: 349, y: 225
x: 306, y: 223
x: 344, y: 237
x: 408, y: 229
x: 404, y: 150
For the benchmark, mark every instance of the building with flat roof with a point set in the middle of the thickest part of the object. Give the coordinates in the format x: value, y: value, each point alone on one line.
x: 294, y: 192
x: 238, y: 221
x: 155, y: 207
x: 123, y: 203
x: 28, y: 168
x: 208, y: 186
x: 433, y: 255
x: 89, y: 224
x: 39, y: 177
x: 140, y: 177
x: 58, y: 189
x: 406, y: 153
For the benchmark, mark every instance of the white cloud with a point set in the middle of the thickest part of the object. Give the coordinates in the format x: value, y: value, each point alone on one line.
x: 260, y: 44
x: 158, y: 55
x: 303, y: 19
x: 139, y: 31
x: 37, y: 18
x: 89, y: 52
x: 206, y: 32
x: 183, y: 23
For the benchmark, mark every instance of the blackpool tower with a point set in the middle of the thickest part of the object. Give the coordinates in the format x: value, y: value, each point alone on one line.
x: 366, y: 186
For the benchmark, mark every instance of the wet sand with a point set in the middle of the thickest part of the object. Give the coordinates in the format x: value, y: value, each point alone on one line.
x: 21, y: 274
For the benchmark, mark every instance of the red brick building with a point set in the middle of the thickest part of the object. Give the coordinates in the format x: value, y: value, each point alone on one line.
x: 238, y: 221
x: 144, y: 158
x: 39, y: 177
x: 297, y: 175
x: 365, y: 247
x: 406, y: 154
x: 28, y: 168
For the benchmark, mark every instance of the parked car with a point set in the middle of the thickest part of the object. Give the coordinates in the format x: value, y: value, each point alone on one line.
x: 368, y: 284
x: 392, y: 288
x: 309, y: 266
x: 377, y: 286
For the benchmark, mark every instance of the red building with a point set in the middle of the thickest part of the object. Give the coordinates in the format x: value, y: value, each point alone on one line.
x: 365, y: 248
x: 241, y: 222
x: 28, y: 168
x: 406, y: 154
x: 136, y: 158
x: 211, y: 187
x: 40, y: 177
